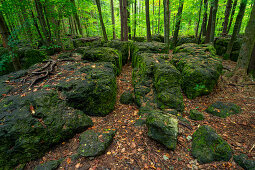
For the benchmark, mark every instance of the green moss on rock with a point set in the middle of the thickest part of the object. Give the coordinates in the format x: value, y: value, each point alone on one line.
x: 223, y: 109
x: 208, y: 146
x: 126, y: 97
x: 196, y: 115
x: 27, y: 135
x: 104, y: 54
x: 243, y: 161
x: 94, y: 92
x: 50, y: 165
x: 94, y: 143
x: 151, y: 47
x: 162, y: 128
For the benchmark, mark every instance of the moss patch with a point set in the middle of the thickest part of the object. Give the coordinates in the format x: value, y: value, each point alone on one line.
x: 223, y: 109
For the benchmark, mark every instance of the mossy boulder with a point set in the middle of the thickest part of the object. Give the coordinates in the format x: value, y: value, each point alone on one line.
x: 125, y: 48
x: 49, y: 165
x: 30, y: 125
x: 243, y: 161
x: 139, y: 39
x: 208, y: 146
x: 104, y: 54
x: 126, y: 97
x: 158, y: 38
x: 163, y: 128
x: 151, y: 47
x: 91, y: 89
x: 196, y: 115
x: 167, y: 83
x: 89, y: 41
x: 95, y: 143
x: 185, y: 39
x: 199, y: 67
x: 222, y: 109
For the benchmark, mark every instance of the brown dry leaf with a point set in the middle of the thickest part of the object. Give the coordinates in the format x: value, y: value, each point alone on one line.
x: 78, y: 165
x: 68, y: 160
x: 133, y: 145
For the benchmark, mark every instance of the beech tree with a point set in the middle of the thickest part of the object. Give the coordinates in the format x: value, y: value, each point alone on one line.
x: 166, y: 21
x: 148, y: 20
x: 226, y: 19
x: 178, y: 23
x: 101, y: 19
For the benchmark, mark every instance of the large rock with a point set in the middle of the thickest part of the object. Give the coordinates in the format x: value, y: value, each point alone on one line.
x: 94, y: 143
x: 91, y: 89
x: 156, y: 80
x: 103, y: 54
x: 126, y: 97
x: 199, y: 66
x: 243, y: 161
x: 50, y: 165
x: 30, y: 125
x: 208, y: 146
x: 196, y: 115
x: 223, y: 109
x: 151, y: 47
x: 162, y: 128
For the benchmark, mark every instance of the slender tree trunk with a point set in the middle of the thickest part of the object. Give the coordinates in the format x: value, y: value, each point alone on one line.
x: 39, y: 9
x: 147, y: 11
x: 199, y: 16
x: 178, y: 23
x: 248, y: 43
x: 5, y: 33
x: 27, y: 24
x: 113, y: 21
x: 232, y: 15
x: 37, y: 27
x: 121, y: 20
x: 166, y: 21
x: 101, y: 20
x: 125, y: 20
x: 46, y: 16
x: 128, y: 19
x: 209, y: 26
x: 174, y: 20
x: 203, y: 27
x: 158, y: 15
x: 214, y: 13
x: 76, y: 17
x: 237, y: 27
x: 152, y: 22
x: 135, y: 19
x: 226, y: 19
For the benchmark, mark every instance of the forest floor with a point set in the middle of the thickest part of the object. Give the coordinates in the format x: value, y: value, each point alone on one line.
x: 132, y: 149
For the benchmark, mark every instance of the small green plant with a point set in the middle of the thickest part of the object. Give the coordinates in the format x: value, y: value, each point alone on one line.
x: 199, y: 87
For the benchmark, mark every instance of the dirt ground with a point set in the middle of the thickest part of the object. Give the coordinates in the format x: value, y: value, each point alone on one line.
x: 132, y: 149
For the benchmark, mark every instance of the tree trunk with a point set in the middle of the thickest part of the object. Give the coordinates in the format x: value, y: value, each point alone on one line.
x: 101, y: 20
x: 251, y: 68
x: 237, y: 27
x: 5, y: 33
x: 125, y: 20
x: 209, y: 26
x: 199, y: 16
x: 178, y: 23
x: 214, y: 13
x: 42, y: 21
x: 248, y: 43
x: 128, y: 19
x: 135, y: 19
x: 147, y: 11
x: 232, y: 16
x: 152, y: 22
x: 113, y: 21
x: 37, y: 27
x: 158, y: 15
x: 227, y: 12
x: 166, y: 21
x: 76, y: 17
x: 203, y: 27
x: 121, y: 20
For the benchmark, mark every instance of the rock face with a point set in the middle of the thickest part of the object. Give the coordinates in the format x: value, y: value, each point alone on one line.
x: 208, y: 146
x: 223, y: 109
x: 196, y: 115
x: 157, y: 81
x: 199, y: 67
x: 94, y: 143
x: 30, y: 125
x: 103, y: 54
x: 93, y: 91
x: 126, y: 97
x: 243, y: 161
x: 50, y: 165
x: 221, y: 44
x: 163, y: 128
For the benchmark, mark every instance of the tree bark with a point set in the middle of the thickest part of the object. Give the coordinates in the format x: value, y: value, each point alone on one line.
x: 101, y: 20
x: 203, y: 27
x: 125, y: 20
x: 178, y: 23
x: 232, y: 16
x: 237, y: 27
x: 152, y: 22
x: 209, y: 26
x: 226, y: 19
x: 121, y: 21
x: 135, y: 20
x: 166, y: 21
x: 113, y: 21
x: 128, y: 19
x: 76, y: 17
x: 251, y: 68
x: 37, y: 27
x: 158, y: 15
x: 199, y: 16
x: 147, y: 11
x: 248, y: 43
x: 214, y: 13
